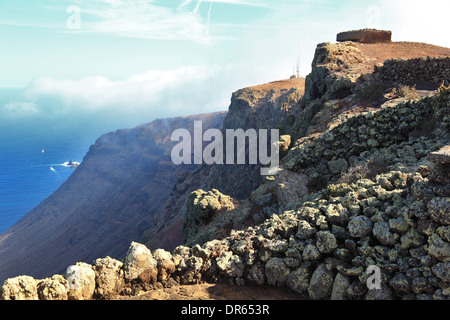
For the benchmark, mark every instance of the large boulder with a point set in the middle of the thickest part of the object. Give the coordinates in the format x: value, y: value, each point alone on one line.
x: 230, y: 264
x: 326, y: 242
x: 140, y: 264
x: 201, y: 207
x: 165, y: 264
x: 54, y: 288
x: 298, y: 280
x: 359, y: 226
x: 439, y: 244
x: 277, y: 272
x: 439, y: 210
x: 321, y: 284
x: 19, y: 288
x: 81, y: 281
x: 109, y: 277
x: 340, y: 285
x: 382, y: 233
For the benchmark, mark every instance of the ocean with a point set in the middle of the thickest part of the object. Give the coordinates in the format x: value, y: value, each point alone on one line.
x: 33, y: 154
x: 31, y: 168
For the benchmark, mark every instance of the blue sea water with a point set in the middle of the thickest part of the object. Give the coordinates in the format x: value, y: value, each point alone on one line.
x: 32, y: 164
x: 32, y: 153
x: 27, y: 174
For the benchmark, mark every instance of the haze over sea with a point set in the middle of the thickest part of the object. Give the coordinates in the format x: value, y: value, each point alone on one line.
x: 33, y: 151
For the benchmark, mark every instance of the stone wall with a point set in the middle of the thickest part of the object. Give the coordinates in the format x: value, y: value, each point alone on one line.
x: 369, y: 132
x: 365, y: 36
x: 431, y: 70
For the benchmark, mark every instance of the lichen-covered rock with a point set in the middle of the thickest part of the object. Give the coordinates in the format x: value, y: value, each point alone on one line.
x: 438, y: 246
x: 421, y: 285
x: 382, y: 232
x: 385, y: 293
x: 201, y: 206
x: 340, y: 286
x: 109, y: 278
x: 19, y: 288
x: 139, y: 263
x: 321, y: 283
x: 326, y: 242
x: 298, y: 280
x: 165, y: 264
x: 439, y: 210
x: 54, y: 288
x: 81, y: 281
x: 277, y: 272
x: 284, y: 144
x: 191, y: 269
x: 411, y: 239
x: 357, y: 290
x: 337, y: 214
x: 256, y: 274
x: 179, y: 255
x: 426, y: 227
x: 442, y: 271
x: 401, y: 284
x: 337, y: 166
x: 278, y: 245
x: 305, y: 230
x: 230, y: 264
x: 350, y: 271
x: 310, y: 252
x: 398, y: 225
x: 200, y: 252
x: 359, y: 226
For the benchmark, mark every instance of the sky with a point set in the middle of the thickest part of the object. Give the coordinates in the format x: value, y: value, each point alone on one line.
x: 136, y: 60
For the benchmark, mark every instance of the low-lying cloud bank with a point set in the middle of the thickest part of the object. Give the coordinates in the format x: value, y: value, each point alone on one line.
x: 187, y: 90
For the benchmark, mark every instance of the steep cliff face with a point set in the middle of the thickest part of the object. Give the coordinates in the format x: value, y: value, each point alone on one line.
x: 165, y: 230
x: 258, y: 107
x: 110, y: 199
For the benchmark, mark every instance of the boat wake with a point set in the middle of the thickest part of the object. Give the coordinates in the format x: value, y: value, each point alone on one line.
x: 67, y: 164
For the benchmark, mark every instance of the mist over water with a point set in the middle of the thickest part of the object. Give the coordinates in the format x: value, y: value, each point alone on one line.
x: 64, y: 118
x: 34, y: 149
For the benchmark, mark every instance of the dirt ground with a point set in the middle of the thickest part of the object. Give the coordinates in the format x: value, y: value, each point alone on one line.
x: 380, y: 52
x: 221, y: 291
x: 286, y: 84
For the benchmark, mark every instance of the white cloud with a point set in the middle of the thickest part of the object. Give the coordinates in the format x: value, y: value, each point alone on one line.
x: 135, y: 93
x: 135, y: 100
x: 142, y: 19
x: 150, y: 20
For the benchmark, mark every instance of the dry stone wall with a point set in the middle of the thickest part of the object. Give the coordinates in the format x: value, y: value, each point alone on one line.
x: 365, y: 36
x: 333, y: 151
x: 432, y: 70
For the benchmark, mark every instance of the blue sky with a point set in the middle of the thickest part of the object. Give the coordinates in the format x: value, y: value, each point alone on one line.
x: 168, y: 57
